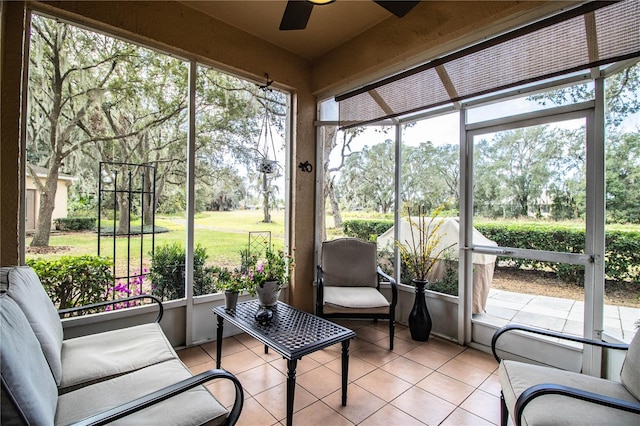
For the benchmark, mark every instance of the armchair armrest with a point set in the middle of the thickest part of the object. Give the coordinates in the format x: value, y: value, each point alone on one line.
x: 394, y: 285
x: 166, y: 393
x: 78, y: 309
x: 554, y: 389
x: 512, y: 327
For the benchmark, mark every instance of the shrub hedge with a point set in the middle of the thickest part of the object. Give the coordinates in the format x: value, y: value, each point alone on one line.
x: 622, y: 255
x: 75, y: 223
x: 74, y: 280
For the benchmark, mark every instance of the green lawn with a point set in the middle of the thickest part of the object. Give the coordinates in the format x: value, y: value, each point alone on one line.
x: 222, y: 234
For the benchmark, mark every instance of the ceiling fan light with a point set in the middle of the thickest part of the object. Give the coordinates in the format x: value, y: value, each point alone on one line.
x: 320, y: 2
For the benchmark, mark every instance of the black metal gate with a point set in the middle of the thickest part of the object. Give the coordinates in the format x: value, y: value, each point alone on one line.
x: 127, y: 192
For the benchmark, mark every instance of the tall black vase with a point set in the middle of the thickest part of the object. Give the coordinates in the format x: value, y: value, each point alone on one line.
x: 419, y: 318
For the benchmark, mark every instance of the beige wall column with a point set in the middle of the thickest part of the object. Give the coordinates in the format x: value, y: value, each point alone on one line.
x: 11, y: 44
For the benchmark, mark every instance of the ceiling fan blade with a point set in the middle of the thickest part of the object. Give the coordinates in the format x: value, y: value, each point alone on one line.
x: 398, y: 8
x: 296, y: 15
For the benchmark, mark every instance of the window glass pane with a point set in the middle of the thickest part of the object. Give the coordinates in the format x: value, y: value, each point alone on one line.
x: 106, y: 147
x: 240, y: 173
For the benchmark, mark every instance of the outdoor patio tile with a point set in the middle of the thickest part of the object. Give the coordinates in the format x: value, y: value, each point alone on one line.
x: 573, y: 327
x: 427, y: 357
x: 483, y: 405
x: 547, y: 302
x: 386, y: 386
x: 424, y: 406
x: 275, y: 400
x: 390, y: 415
x: 506, y: 304
x: 445, y: 387
x: 611, y: 311
x: 513, y: 297
x: 461, y: 417
x: 489, y: 319
x: 501, y: 312
x: 407, y: 369
x: 549, y: 312
x: 253, y: 413
x: 321, y: 414
x: 261, y: 378
x: 464, y: 372
x: 321, y: 381
x: 360, y: 403
x: 482, y: 360
x: 536, y: 320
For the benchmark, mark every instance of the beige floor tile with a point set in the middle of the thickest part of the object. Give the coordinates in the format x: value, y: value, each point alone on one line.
x: 406, y: 369
x: 382, y: 384
x: 447, y: 388
x: 372, y: 334
x: 481, y: 360
x: 427, y: 357
x: 302, y: 366
x: 484, y: 405
x: 402, y: 346
x: 443, y: 347
x: 253, y: 413
x: 357, y: 367
x: 461, y: 417
x: 375, y: 355
x: 261, y: 378
x: 275, y: 400
x: 210, y: 348
x: 360, y: 403
x: 271, y: 355
x: 319, y: 414
x: 389, y: 416
x: 199, y: 368
x: 321, y: 381
x: 491, y: 385
x: 403, y: 333
x: 325, y: 356
x: 193, y: 356
x: 248, y: 341
x: 464, y: 372
x: 241, y: 361
x: 224, y: 392
x: 230, y: 346
x: 424, y: 406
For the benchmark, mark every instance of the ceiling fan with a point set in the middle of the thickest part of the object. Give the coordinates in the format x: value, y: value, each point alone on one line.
x: 297, y: 13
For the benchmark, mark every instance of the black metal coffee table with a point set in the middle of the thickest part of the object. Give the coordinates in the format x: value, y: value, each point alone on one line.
x: 293, y: 334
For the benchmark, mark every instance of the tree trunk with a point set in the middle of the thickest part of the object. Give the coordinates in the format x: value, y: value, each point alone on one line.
x: 47, y: 205
x: 335, y: 208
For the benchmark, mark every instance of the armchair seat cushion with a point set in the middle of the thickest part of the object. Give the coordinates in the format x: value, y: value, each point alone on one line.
x: 194, y: 407
x: 516, y: 377
x: 90, y: 359
x: 364, y: 298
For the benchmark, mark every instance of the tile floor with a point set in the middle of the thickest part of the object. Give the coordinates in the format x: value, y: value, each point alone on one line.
x: 418, y: 383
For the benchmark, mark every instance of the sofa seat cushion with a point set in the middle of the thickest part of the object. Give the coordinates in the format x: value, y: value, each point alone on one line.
x: 25, y: 288
x: 516, y: 377
x: 96, y: 357
x: 194, y: 407
x: 354, y: 300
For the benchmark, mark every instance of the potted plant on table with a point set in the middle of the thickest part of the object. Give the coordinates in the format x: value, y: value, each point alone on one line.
x: 231, y: 282
x: 266, y: 278
x: 419, y: 251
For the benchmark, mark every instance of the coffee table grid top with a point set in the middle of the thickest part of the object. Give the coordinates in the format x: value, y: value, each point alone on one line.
x: 292, y: 333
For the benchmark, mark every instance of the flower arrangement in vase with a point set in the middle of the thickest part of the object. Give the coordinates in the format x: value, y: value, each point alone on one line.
x: 419, y: 252
x: 265, y: 278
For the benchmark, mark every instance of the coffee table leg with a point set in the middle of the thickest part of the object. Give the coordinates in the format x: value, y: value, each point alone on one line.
x: 219, y: 342
x: 291, y: 388
x: 345, y: 369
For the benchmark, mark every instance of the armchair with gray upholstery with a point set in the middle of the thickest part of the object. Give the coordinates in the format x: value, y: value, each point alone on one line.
x: 348, y: 283
x: 542, y: 395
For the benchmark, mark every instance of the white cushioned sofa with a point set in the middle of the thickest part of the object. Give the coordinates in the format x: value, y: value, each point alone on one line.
x: 130, y: 375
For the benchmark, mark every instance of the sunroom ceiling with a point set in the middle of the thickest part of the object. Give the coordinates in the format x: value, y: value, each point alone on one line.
x: 590, y: 36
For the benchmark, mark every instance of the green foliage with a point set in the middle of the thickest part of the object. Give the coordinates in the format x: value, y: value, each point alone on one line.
x: 75, y: 223
x: 366, y: 229
x: 167, y: 272
x: 448, y: 284
x: 622, y: 249
x: 226, y: 280
x: 74, y: 280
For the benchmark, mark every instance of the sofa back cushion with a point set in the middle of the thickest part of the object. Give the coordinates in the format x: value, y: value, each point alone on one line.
x: 25, y: 288
x: 630, y: 374
x: 29, y: 391
x: 349, y: 262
